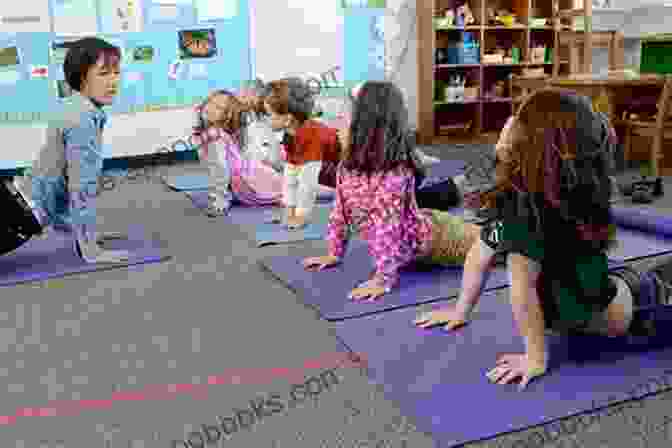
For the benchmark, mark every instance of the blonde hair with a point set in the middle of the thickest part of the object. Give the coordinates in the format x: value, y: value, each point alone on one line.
x: 232, y: 121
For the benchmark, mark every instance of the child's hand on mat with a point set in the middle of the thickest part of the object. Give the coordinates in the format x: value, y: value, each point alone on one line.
x: 315, y: 264
x: 370, y: 292
x: 513, y: 366
x: 369, y: 289
x: 450, y: 317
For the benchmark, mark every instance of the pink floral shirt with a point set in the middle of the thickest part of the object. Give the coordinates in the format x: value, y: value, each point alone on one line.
x: 383, y: 209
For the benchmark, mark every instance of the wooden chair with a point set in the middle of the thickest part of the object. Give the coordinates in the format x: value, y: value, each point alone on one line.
x: 525, y: 85
x: 659, y: 128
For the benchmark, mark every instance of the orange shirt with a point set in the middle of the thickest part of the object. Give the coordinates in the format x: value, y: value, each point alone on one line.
x: 314, y: 142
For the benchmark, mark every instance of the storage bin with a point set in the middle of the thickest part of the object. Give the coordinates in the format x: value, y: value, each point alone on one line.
x: 656, y: 55
x: 463, y: 53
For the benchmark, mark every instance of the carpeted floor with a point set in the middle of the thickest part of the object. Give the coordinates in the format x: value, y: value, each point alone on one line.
x: 208, y: 310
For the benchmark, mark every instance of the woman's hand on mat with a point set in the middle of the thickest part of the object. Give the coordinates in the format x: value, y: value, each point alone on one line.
x: 511, y: 367
x: 450, y: 317
x: 315, y: 264
x: 368, y: 289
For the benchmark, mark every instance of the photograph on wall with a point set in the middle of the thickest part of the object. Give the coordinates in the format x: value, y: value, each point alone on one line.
x: 142, y: 54
x: 197, y: 43
x: 63, y: 90
x: 25, y: 16
x: 121, y: 16
x: 346, y: 4
x: 9, y: 58
x: 75, y: 17
x: 208, y: 10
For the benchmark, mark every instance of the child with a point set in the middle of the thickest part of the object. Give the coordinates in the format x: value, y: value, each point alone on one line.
x: 238, y: 152
x: 313, y: 149
x: 375, y: 192
x: 220, y: 135
x: 66, y: 172
x: 553, y: 220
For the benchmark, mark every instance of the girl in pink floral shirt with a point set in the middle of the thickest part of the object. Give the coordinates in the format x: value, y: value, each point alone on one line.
x: 375, y: 193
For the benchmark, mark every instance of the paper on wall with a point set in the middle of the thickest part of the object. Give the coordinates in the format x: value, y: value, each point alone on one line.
x: 121, y: 16
x: 24, y: 16
x: 75, y: 17
x: 175, y: 69
x: 216, y: 10
x: 39, y: 71
x: 198, y: 71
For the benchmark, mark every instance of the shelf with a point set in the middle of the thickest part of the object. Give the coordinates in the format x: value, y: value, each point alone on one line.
x: 571, y: 13
x: 457, y: 28
x: 437, y: 66
x: 445, y: 103
x: 496, y: 99
x: 503, y: 27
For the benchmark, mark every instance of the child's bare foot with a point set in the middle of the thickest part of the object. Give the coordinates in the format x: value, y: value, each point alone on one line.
x: 296, y: 222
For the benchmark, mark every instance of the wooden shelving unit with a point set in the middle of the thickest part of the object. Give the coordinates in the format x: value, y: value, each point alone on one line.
x: 486, y: 111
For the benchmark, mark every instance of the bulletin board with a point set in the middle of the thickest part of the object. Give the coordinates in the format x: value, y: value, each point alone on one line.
x: 174, y: 51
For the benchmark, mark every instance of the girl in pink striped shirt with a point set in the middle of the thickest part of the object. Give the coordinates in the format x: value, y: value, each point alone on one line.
x: 375, y: 193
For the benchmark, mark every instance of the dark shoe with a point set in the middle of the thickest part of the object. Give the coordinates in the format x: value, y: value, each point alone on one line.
x: 655, y: 185
x: 642, y: 194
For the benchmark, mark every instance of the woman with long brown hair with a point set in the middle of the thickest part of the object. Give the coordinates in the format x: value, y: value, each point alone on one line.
x: 552, y: 220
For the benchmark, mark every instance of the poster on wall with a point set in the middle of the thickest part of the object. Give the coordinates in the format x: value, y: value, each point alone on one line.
x: 207, y: 10
x: 10, y: 61
x: 25, y: 16
x: 346, y: 4
x: 75, y: 17
x: 197, y: 43
x: 121, y: 16
x: 141, y: 54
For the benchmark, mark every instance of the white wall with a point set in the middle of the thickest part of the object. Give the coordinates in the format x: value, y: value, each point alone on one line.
x: 296, y: 37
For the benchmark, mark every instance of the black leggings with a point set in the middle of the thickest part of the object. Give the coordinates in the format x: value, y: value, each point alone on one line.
x: 19, y: 223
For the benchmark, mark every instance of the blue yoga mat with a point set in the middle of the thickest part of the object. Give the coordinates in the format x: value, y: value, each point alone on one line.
x: 259, y: 218
x: 53, y: 257
x: 327, y: 291
x: 438, y: 379
x: 187, y: 182
x: 642, y: 233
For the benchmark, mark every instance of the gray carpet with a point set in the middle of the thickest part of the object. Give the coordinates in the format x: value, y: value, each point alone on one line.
x: 208, y: 310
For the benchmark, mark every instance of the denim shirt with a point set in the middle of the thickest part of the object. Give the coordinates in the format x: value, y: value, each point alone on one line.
x: 66, y: 171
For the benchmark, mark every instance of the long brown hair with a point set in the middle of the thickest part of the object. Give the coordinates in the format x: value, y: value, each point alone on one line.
x: 523, y: 167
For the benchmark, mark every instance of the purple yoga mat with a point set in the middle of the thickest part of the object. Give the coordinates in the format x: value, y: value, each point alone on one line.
x: 54, y: 257
x: 438, y: 378
x: 328, y: 290
x: 446, y: 168
x: 636, y: 245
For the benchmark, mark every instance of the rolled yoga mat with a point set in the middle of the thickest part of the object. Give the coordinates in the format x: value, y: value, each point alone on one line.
x: 327, y: 291
x: 438, y: 378
x: 54, y: 257
x: 642, y: 233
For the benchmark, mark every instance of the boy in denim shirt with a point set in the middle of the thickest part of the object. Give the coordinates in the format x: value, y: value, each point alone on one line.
x: 66, y: 172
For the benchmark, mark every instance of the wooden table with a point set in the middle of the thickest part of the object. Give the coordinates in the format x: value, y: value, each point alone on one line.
x: 610, y: 92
